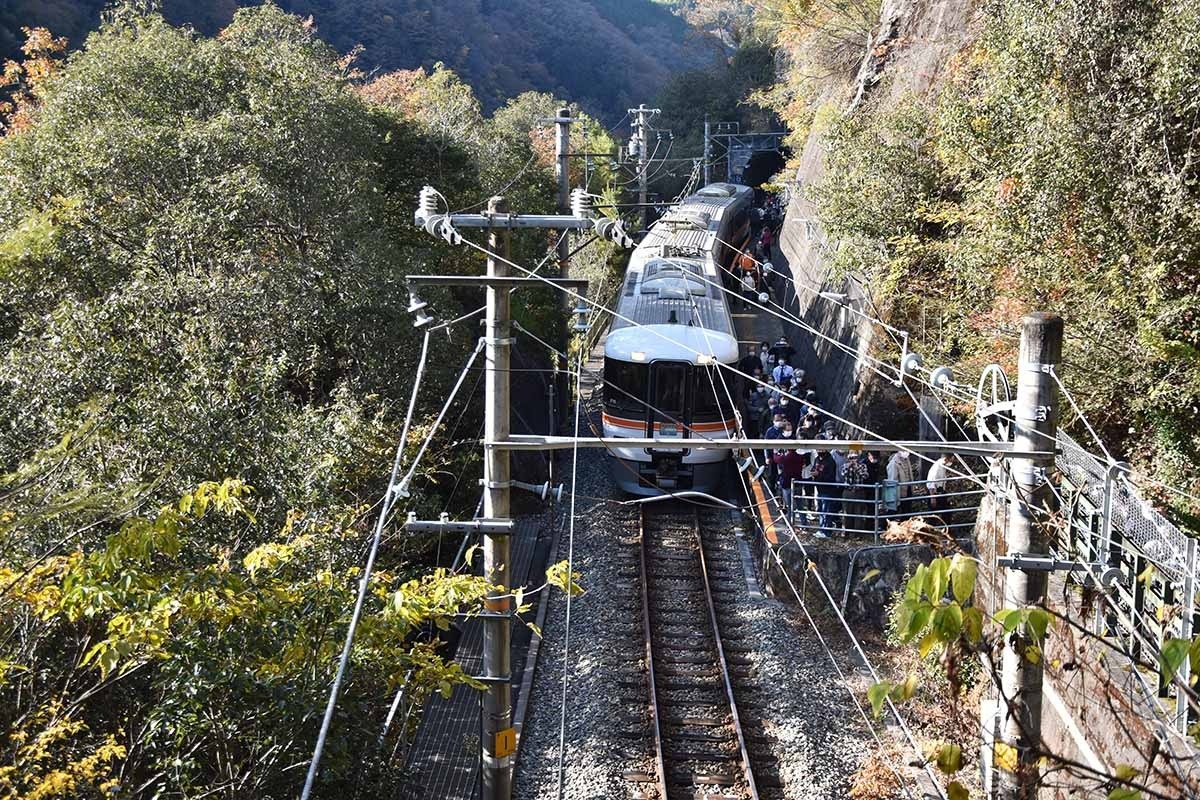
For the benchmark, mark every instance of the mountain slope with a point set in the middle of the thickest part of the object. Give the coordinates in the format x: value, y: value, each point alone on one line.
x: 604, y: 54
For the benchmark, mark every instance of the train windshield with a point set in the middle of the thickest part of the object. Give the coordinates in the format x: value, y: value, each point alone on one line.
x: 711, y: 401
x: 625, y: 385
x: 670, y: 388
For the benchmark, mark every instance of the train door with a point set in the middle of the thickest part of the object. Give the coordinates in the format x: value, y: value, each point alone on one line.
x: 670, y: 400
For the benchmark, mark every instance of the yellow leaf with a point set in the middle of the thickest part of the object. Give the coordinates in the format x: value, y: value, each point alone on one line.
x: 949, y: 758
x: 956, y: 791
x: 1125, y: 772
x: 1005, y: 756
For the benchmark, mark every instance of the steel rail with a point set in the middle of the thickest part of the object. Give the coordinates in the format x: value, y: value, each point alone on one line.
x: 721, y: 661
x: 659, y: 761
x: 716, y: 629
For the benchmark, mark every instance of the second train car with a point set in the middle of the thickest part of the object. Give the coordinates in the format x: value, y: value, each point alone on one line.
x: 660, y: 373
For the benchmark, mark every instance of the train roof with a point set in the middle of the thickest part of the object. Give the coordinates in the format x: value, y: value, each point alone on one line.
x: 670, y: 342
x: 673, y: 291
x: 691, y: 225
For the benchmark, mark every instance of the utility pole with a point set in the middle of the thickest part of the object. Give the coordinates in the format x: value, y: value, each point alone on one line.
x: 499, y: 738
x: 707, y: 150
x: 557, y: 387
x: 641, y: 124
x: 562, y: 155
x: 498, y: 734
x: 1031, y: 503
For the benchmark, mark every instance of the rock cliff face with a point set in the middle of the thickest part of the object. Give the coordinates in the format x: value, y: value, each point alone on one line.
x: 911, y: 48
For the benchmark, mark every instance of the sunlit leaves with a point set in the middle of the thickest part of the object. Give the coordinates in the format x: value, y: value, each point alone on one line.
x: 556, y: 576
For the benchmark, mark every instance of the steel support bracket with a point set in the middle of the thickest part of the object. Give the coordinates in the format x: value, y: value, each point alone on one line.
x: 484, y: 614
x: 492, y: 680
x: 491, y: 527
x: 1033, y: 563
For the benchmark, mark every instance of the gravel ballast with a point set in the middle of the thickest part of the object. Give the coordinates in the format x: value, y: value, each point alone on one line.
x: 791, y: 694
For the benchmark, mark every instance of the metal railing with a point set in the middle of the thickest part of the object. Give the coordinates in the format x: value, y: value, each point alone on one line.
x: 1108, y: 524
x: 867, y: 509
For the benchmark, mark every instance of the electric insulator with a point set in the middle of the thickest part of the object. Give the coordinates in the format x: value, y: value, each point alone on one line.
x: 581, y: 205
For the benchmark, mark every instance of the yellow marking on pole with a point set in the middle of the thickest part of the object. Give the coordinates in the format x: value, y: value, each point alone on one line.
x: 506, y: 742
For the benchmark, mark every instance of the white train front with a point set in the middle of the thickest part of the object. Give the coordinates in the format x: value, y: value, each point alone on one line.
x: 660, y: 373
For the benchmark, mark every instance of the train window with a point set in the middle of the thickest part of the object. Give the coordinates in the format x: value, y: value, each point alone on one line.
x: 710, y: 397
x: 625, y: 385
x: 706, y: 396
x: 670, y: 387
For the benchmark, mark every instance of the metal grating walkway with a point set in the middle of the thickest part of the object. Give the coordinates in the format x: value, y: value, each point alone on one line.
x: 443, y: 761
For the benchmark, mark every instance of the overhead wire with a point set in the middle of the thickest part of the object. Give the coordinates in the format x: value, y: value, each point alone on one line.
x: 654, y: 331
x: 331, y: 704
x: 772, y: 497
x: 562, y: 722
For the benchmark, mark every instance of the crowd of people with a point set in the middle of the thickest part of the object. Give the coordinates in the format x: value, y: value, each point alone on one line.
x: 752, y: 269
x: 839, y: 490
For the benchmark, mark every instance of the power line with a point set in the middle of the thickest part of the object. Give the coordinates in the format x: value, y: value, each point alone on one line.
x: 562, y: 722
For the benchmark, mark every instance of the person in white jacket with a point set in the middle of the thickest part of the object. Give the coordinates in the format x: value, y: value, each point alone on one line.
x: 935, y: 482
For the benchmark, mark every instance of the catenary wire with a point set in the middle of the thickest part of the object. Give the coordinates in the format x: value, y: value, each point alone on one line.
x: 331, y: 704
x: 562, y: 722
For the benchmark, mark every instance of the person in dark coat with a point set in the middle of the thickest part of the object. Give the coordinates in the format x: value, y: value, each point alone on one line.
x: 783, y: 350
x: 825, y: 476
x: 791, y: 465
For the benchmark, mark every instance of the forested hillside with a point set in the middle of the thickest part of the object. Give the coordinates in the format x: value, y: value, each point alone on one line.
x: 205, y: 361
x: 1052, y: 166
x: 604, y: 54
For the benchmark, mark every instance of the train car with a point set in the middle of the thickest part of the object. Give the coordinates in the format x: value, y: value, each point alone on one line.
x: 660, y: 373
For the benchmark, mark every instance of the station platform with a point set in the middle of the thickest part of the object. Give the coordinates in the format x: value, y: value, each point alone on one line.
x: 443, y: 761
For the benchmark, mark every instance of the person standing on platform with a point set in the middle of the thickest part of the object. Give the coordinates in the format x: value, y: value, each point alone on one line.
x: 772, y: 433
x: 791, y: 465
x: 824, y: 474
x: 783, y: 350
x: 899, y: 469
x: 782, y: 374
x: 858, y: 498
x: 935, y: 482
x: 749, y: 291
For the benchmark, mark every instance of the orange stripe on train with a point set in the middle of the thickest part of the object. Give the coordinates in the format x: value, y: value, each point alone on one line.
x: 640, y: 425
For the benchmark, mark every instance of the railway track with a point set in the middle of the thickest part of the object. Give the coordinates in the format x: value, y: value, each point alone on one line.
x: 700, y: 746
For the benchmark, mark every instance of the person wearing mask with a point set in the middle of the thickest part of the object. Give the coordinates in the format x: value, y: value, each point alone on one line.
x: 899, y: 469
x: 764, y: 353
x: 791, y: 465
x: 935, y: 482
x: 792, y: 409
x: 755, y: 406
x: 774, y: 432
x: 782, y: 373
x: 824, y: 474
x: 749, y: 290
x: 767, y: 419
x: 783, y: 350
x: 802, y: 386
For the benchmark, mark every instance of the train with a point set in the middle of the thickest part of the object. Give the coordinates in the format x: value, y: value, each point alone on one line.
x: 673, y: 326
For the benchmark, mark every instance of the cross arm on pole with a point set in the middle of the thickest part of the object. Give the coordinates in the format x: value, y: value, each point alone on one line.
x: 508, y: 282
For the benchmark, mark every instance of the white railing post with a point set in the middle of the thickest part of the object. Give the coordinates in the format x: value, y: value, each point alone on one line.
x: 1187, y: 604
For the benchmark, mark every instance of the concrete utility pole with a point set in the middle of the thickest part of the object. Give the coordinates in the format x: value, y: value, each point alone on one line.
x: 1031, y: 504
x: 562, y: 155
x: 707, y: 150
x: 641, y: 124
x: 499, y: 738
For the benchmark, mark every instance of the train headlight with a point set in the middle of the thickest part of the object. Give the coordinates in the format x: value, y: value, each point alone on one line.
x: 704, y: 359
x: 638, y: 355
